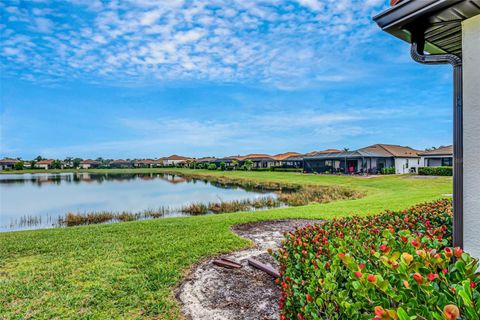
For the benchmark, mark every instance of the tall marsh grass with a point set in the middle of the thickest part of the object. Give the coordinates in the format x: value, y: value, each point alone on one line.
x: 286, y: 195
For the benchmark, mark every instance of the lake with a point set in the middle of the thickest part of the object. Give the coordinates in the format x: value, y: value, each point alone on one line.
x: 33, y: 201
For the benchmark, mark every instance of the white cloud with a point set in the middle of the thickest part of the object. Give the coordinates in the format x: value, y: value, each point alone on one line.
x: 43, y: 25
x: 189, y: 36
x: 316, y: 5
x: 150, y: 17
x: 282, y: 43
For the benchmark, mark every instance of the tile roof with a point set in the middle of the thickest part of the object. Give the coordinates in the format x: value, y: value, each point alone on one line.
x: 256, y: 156
x: 347, y: 154
x: 205, y: 159
x: 45, y: 162
x: 9, y: 161
x: 283, y: 156
x: 322, y: 152
x: 145, y: 161
x: 448, y: 150
x: 89, y: 161
x: 120, y: 161
x: 393, y: 150
x: 176, y: 157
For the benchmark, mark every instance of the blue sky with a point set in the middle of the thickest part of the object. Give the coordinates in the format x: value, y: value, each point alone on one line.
x: 147, y: 78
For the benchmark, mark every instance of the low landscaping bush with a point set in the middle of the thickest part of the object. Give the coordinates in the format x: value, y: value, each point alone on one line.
x: 435, y: 171
x: 388, y: 170
x: 281, y: 169
x: 278, y: 169
x: 396, y: 265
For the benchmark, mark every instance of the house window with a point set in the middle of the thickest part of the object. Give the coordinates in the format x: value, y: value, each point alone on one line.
x: 447, y: 162
x: 406, y: 165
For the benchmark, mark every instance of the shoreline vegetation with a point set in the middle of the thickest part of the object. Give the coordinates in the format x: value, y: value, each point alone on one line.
x: 286, y: 195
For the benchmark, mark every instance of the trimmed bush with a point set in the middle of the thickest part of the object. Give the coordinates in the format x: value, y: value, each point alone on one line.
x: 396, y: 265
x: 282, y: 169
x: 388, y: 170
x: 435, y: 171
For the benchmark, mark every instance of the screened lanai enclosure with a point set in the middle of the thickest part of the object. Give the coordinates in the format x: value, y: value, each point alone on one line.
x: 349, y: 162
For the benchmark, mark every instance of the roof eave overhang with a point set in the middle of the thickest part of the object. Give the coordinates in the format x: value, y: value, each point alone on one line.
x: 398, y: 19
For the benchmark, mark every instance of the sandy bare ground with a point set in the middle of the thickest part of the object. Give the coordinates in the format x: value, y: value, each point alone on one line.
x: 215, y: 293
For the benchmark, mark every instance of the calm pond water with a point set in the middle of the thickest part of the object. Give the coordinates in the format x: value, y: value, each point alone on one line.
x: 32, y: 201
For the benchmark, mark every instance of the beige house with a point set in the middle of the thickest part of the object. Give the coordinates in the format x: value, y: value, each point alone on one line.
x: 44, y: 164
x: 175, y: 160
x: 90, y: 164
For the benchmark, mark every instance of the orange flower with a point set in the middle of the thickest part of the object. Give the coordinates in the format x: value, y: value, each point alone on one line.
x: 451, y: 312
x: 379, y: 311
x: 418, y: 277
x: 448, y: 252
x: 406, y: 284
x: 309, y: 298
x: 371, y: 278
x: 457, y: 252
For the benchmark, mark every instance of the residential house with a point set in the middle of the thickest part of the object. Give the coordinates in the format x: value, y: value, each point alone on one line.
x: 229, y: 161
x: 259, y: 160
x: 205, y: 160
x: 348, y: 162
x: 447, y: 32
x: 405, y: 159
x: 146, y: 163
x: 45, y: 164
x: 89, y: 164
x: 442, y: 156
x: 288, y: 160
x: 314, y: 153
x: 157, y: 163
x: 121, y: 164
x: 175, y: 160
x: 8, y: 163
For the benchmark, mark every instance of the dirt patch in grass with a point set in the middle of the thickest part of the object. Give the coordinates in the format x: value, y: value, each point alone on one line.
x: 215, y: 293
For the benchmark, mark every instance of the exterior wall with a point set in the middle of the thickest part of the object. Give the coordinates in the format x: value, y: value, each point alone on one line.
x: 404, y: 165
x: 471, y: 132
x: 85, y: 166
x: 434, y: 161
x: 172, y: 162
x: 43, y: 166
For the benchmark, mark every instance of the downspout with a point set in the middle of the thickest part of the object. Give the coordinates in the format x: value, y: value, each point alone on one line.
x: 418, y: 55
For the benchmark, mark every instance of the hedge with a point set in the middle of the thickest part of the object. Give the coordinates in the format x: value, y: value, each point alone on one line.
x: 396, y: 265
x: 278, y: 169
x: 435, y: 171
x: 388, y: 170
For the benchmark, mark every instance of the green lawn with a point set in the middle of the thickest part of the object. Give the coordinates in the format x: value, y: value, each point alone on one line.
x: 129, y: 270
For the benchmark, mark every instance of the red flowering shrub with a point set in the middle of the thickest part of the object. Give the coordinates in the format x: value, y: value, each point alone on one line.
x: 395, y: 265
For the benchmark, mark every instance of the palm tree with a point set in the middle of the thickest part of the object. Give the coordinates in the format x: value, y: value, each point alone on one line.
x: 235, y: 164
x: 248, y: 164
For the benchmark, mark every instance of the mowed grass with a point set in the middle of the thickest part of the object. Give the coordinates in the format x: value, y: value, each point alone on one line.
x: 129, y: 270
